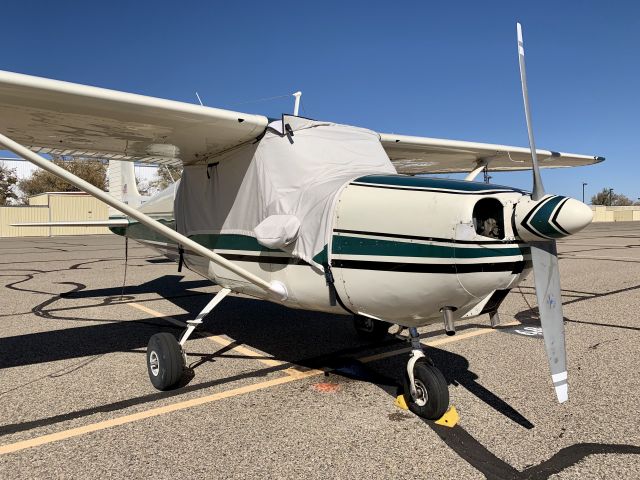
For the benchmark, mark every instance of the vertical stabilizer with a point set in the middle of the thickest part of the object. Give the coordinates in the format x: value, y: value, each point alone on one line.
x: 122, y: 184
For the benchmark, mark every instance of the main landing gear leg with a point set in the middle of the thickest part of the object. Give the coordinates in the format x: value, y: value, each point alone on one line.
x: 166, y: 356
x: 425, y: 389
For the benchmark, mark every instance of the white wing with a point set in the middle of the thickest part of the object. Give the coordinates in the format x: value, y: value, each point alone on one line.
x: 414, y: 155
x: 50, y: 116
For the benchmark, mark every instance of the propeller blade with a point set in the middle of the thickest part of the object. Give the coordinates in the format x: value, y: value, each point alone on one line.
x: 538, y: 188
x: 547, y: 280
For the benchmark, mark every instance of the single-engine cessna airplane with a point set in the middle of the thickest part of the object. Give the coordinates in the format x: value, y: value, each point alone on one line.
x: 314, y: 215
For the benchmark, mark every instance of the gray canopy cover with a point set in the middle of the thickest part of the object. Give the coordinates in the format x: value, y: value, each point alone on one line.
x: 280, y: 190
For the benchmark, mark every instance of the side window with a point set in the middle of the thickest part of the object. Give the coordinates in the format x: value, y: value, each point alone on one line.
x: 488, y: 218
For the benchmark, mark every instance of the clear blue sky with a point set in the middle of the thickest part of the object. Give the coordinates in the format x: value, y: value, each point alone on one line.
x: 439, y: 69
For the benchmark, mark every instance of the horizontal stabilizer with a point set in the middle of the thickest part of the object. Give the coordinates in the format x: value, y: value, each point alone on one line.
x: 120, y: 222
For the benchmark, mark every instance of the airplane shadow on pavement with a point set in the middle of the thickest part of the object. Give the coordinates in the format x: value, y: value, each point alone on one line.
x: 326, y: 340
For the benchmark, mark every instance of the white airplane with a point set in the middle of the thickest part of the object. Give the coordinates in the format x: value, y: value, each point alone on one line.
x: 315, y: 215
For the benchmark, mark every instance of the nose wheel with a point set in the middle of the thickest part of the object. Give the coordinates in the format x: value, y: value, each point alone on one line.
x: 431, y: 397
x: 425, y: 389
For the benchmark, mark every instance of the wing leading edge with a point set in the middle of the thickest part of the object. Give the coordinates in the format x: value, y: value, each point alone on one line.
x: 416, y: 155
x: 55, y: 117
x: 51, y: 116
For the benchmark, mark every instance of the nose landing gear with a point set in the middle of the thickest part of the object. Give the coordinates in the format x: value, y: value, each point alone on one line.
x: 425, y: 389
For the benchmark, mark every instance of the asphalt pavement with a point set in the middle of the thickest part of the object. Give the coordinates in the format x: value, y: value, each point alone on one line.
x: 280, y: 393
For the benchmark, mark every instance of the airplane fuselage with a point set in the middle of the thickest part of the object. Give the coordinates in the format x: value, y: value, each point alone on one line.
x: 402, y: 249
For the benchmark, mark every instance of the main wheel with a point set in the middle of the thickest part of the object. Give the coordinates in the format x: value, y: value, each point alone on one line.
x: 432, y: 399
x: 370, y: 329
x: 164, y: 361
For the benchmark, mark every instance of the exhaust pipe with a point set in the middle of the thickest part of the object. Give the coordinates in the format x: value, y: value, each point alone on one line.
x: 449, y: 326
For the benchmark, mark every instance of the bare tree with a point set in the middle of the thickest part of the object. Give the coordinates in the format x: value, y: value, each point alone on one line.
x: 608, y: 197
x: 165, y: 176
x: 41, y: 181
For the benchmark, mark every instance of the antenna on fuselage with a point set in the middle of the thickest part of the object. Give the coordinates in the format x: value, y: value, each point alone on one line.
x: 200, y: 101
x: 296, y: 105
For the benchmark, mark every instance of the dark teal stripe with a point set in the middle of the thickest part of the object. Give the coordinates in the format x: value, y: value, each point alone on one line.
x: 322, y: 257
x: 426, y: 182
x: 230, y: 242
x: 541, y: 220
x: 138, y: 231
x: 346, y: 245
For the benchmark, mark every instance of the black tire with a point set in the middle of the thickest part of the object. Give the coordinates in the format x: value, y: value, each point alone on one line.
x: 370, y: 329
x: 164, y: 361
x: 428, y: 380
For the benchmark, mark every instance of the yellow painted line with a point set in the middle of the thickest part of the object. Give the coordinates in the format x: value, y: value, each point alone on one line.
x: 433, y: 343
x: 154, y: 412
x: 596, y: 257
x: 241, y: 349
x: 157, y: 314
x: 294, y: 374
x: 218, y: 339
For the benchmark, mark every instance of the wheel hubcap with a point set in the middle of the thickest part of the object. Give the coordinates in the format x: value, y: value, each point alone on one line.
x: 421, y: 394
x: 154, y: 363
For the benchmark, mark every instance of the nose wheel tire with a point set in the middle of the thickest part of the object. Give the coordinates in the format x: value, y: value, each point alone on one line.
x: 432, y: 391
x: 370, y: 329
x: 164, y: 361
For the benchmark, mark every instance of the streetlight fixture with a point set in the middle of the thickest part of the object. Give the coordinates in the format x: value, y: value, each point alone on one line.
x: 583, y: 184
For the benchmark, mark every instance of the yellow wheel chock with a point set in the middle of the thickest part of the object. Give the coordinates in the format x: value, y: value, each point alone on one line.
x: 449, y: 419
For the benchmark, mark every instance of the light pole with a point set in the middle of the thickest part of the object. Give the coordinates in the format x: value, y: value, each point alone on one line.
x: 583, y: 184
x: 610, y: 195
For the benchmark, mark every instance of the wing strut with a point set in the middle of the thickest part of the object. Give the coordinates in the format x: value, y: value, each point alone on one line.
x: 276, y: 289
x: 481, y: 164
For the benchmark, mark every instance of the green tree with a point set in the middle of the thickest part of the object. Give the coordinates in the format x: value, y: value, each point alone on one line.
x: 41, y: 181
x: 8, y: 181
x: 165, y: 176
x: 608, y: 197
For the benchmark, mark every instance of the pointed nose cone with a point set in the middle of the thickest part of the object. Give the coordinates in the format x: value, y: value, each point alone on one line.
x: 551, y: 217
x: 573, y: 216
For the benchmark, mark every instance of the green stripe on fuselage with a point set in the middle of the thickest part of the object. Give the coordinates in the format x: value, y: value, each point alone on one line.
x: 245, y: 243
x: 342, y: 244
x: 230, y: 242
x: 347, y: 245
x: 139, y: 231
x: 425, y: 182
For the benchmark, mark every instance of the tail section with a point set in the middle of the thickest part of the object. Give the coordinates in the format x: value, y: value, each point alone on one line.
x: 123, y: 185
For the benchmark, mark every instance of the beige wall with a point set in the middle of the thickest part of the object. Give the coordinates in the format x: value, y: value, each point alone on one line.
x: 75, y: 208
x: 615, y: 214
x: 54, y: 207
x: 10, y: 215
x: 42, y: 199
